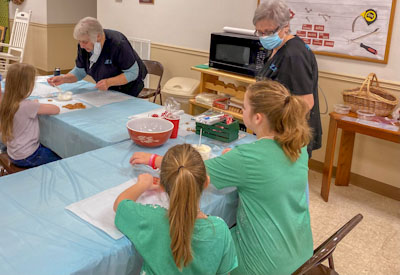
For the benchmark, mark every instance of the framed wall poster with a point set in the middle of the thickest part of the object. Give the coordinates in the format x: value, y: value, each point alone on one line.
x: 146, y: 1
x: 352, y: 29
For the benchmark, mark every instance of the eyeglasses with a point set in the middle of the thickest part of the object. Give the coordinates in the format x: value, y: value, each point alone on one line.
x: 266, y: 33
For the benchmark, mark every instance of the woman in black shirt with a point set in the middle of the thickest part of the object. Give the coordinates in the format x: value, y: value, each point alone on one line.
x: 291, y: 62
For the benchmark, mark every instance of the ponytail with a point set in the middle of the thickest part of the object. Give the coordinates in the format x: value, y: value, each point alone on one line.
x: 183, y: 176
x: 286, y: 114
x: 293, y: 130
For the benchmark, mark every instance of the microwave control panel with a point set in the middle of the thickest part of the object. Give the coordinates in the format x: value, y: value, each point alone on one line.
x: 260, y: 59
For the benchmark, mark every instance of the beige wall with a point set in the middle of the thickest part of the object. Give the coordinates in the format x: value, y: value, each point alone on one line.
x: 56, y: 11
x: 50, y: 46
x: 50, y: 43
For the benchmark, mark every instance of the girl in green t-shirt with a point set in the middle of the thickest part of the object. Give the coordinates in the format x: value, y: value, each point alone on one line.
x: 273, y: 233
x: 182, y: 239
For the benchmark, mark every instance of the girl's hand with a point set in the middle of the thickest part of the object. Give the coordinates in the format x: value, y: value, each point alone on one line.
x: 226, y: 150
x: 156, y: 184
x: 146, y: 180
x: 140, y: 158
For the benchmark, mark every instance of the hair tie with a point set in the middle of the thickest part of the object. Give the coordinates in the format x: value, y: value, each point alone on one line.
x: 180, y: 168
x: 287, y: 99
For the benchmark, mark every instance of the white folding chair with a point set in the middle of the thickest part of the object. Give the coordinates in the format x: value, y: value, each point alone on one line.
x: 17, y: 43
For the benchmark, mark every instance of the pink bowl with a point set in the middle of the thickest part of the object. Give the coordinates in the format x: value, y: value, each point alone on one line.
x: 149, y: 131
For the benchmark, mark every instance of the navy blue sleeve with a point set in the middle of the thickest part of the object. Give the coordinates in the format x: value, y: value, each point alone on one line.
x: 124, y: 58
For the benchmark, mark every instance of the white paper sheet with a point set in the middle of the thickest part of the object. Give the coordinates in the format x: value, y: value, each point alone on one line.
x: 98, y: 209
x: 42, y: 78
x: 157, y: 111
x: 43, y: 90
x: 99, y: 98
x: 60, y: 104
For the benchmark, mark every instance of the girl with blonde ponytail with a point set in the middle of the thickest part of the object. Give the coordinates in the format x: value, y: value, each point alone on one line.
x: 273, y: 232
x: 182, y: 239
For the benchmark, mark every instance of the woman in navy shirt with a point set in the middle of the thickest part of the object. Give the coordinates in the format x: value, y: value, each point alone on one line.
x: 108, y: 57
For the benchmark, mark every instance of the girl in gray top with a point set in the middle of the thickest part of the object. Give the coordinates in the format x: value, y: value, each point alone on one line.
x: 19, y: 119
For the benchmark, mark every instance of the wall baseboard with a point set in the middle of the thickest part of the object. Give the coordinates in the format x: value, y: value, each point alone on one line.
x: 372, y: 185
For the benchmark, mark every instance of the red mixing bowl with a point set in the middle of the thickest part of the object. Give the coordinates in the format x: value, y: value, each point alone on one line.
x: 149, y: 131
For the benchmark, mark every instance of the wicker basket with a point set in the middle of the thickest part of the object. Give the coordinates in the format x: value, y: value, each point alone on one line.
x: 370, y: 98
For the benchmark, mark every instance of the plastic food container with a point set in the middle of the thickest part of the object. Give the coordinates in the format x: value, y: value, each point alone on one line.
x: 204, y: 150
x: 341, y: 108
x: 66, y: 96
x: 365, y: 115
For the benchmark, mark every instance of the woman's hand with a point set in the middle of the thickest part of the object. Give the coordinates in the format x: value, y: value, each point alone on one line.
x: 102, y: 85
x: 56, y: 80
x: 140, y: 158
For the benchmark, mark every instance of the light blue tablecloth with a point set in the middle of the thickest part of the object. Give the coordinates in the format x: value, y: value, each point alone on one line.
x: 80, y: 131
x: 38, y: 236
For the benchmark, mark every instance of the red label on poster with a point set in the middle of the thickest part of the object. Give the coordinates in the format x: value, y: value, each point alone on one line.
x: 307, y: 40
x: 319, y: 28
x: 329, y: 43
x: 312, y: 34
x: 301, y: 33
x: 317, y: 42
x: 323, y: 35
x: 307, y: 27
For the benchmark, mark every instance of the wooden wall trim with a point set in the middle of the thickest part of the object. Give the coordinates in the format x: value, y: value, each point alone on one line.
x: 372, y: 185
x: 357, y: 80
x: 46, y: 26
x: 179, y: 49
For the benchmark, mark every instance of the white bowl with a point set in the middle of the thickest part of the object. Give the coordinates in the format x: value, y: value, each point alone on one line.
x: 204, y: 150
x: 361, y: 114
x: 341, y: 108
x: 65, y: 96
x: 149, y: 131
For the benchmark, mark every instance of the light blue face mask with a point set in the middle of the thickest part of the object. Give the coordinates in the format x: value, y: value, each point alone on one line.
x: 95, y: 54
x: 271, y: 42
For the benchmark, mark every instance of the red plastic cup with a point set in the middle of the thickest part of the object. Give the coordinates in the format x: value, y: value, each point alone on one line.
x: 175, y: 121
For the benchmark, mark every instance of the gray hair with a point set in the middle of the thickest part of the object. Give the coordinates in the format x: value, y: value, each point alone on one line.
x: 88, y: 26
x: 274, y: 10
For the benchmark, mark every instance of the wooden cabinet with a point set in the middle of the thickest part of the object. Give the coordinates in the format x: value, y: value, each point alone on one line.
x: 210, y: 82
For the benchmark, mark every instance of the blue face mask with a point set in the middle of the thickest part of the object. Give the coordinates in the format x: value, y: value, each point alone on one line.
x: 271, y: 42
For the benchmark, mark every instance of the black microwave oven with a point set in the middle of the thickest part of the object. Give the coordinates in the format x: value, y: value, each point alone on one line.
x: 237, y: 53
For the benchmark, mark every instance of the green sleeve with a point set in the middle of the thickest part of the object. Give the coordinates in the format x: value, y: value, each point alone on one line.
x: 229, y: 260
x: 226, y: 170
x: 135, y: 221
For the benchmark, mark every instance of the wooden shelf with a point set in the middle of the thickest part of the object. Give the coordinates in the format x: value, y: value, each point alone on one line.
x: 210, y: 82
x: 234, y: 114
x: 215, y: 72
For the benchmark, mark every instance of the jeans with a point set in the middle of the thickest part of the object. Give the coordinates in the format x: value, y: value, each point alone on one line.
x: 41, y: 156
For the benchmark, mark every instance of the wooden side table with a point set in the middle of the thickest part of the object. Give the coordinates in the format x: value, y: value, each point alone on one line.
x: 349, y: 127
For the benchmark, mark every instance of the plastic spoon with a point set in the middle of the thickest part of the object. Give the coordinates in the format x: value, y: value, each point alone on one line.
x: 58, y: 88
